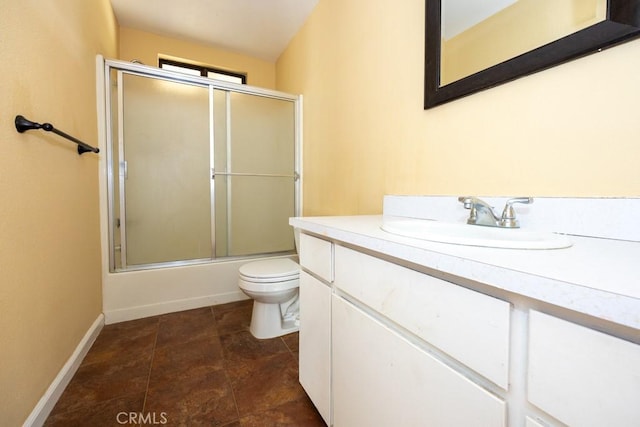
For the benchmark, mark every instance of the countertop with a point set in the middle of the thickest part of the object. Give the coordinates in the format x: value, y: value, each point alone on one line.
x: 597, y: 277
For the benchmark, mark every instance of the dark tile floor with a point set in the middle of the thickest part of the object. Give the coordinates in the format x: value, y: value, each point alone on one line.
x: 194, y: 368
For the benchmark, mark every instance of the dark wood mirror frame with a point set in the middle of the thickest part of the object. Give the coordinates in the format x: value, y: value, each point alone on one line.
x: 622, y: 24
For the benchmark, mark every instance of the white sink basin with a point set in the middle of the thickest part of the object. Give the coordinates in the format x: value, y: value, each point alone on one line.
x: 475, y: 235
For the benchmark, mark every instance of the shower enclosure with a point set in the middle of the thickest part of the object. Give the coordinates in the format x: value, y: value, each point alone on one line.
x: 199, y: 170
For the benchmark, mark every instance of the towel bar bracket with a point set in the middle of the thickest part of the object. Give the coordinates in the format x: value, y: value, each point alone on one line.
x: 23, y: 124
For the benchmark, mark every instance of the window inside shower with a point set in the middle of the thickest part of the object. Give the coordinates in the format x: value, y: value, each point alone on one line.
x: 201, y: 70
x: 199, y: 170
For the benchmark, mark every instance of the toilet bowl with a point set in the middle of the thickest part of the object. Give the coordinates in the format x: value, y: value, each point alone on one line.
x: 273, y: 286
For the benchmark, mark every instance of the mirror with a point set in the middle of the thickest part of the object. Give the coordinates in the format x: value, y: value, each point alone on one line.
x: 475, y: 45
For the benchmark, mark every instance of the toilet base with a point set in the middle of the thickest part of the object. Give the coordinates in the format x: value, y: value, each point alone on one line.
x: 267, y: 321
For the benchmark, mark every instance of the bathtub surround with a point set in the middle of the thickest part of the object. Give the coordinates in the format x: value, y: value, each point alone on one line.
x: 136, y: 294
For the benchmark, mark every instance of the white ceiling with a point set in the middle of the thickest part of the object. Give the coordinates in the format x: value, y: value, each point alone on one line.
x: 258, y: 28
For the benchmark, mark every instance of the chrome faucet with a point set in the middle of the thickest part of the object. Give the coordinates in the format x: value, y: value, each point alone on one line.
x: 482, y: 214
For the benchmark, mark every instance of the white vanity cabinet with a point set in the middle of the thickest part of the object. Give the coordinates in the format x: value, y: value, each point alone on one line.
x: 382, y: 379
x: 316, y: 257
x: 389, y: 338
x: 580, y: 376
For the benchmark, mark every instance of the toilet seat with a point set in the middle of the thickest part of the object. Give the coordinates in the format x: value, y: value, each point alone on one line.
x: 269, y: 287
x: 270, y: 271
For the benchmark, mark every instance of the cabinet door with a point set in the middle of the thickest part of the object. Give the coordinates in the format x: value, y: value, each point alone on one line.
x: 467, y: 325
x: 380, y: 379
x: 315, y: 342
x: 581, y: 376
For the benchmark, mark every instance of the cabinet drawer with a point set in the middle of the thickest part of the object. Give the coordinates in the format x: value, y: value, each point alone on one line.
x: 581, y: 376
x: 316, y: 255
x: 469, y: 326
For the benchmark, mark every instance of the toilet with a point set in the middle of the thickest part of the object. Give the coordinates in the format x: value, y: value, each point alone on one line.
x: 273, y: 286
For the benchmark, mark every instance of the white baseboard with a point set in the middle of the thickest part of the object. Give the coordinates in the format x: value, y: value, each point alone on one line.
x: 164, y: 307
x: 44, y: 407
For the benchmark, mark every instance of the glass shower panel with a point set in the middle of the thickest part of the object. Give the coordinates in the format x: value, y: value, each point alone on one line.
x: 260, y: 186
x: 265, y: 227
x: 262, y: 135
x: 165, y: 171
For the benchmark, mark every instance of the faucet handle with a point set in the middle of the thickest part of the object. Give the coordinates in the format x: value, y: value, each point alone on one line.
x: 508, y: 218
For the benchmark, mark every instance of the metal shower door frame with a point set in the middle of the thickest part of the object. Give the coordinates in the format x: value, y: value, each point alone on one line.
x: 128, y: 68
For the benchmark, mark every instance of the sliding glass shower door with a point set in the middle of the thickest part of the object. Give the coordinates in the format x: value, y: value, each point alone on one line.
x: 199, y: 171
x: 254, y: 174
x: 164, y: 171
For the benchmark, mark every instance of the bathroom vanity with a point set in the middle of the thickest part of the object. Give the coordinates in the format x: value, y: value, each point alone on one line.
x: 402, y: 331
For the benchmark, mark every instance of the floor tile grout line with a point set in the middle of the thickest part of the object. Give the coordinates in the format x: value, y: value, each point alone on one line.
x: 285, y: 345
x: 233, y: 393
x: 153, y: 353
x: 226, y: 373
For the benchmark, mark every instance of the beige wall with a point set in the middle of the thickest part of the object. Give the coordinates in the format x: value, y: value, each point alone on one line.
x: 147, y: 48
x: 50, y: 278
x: 568, y: 131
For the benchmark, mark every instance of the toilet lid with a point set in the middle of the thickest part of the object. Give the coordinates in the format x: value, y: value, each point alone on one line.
x: 277, y: 268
